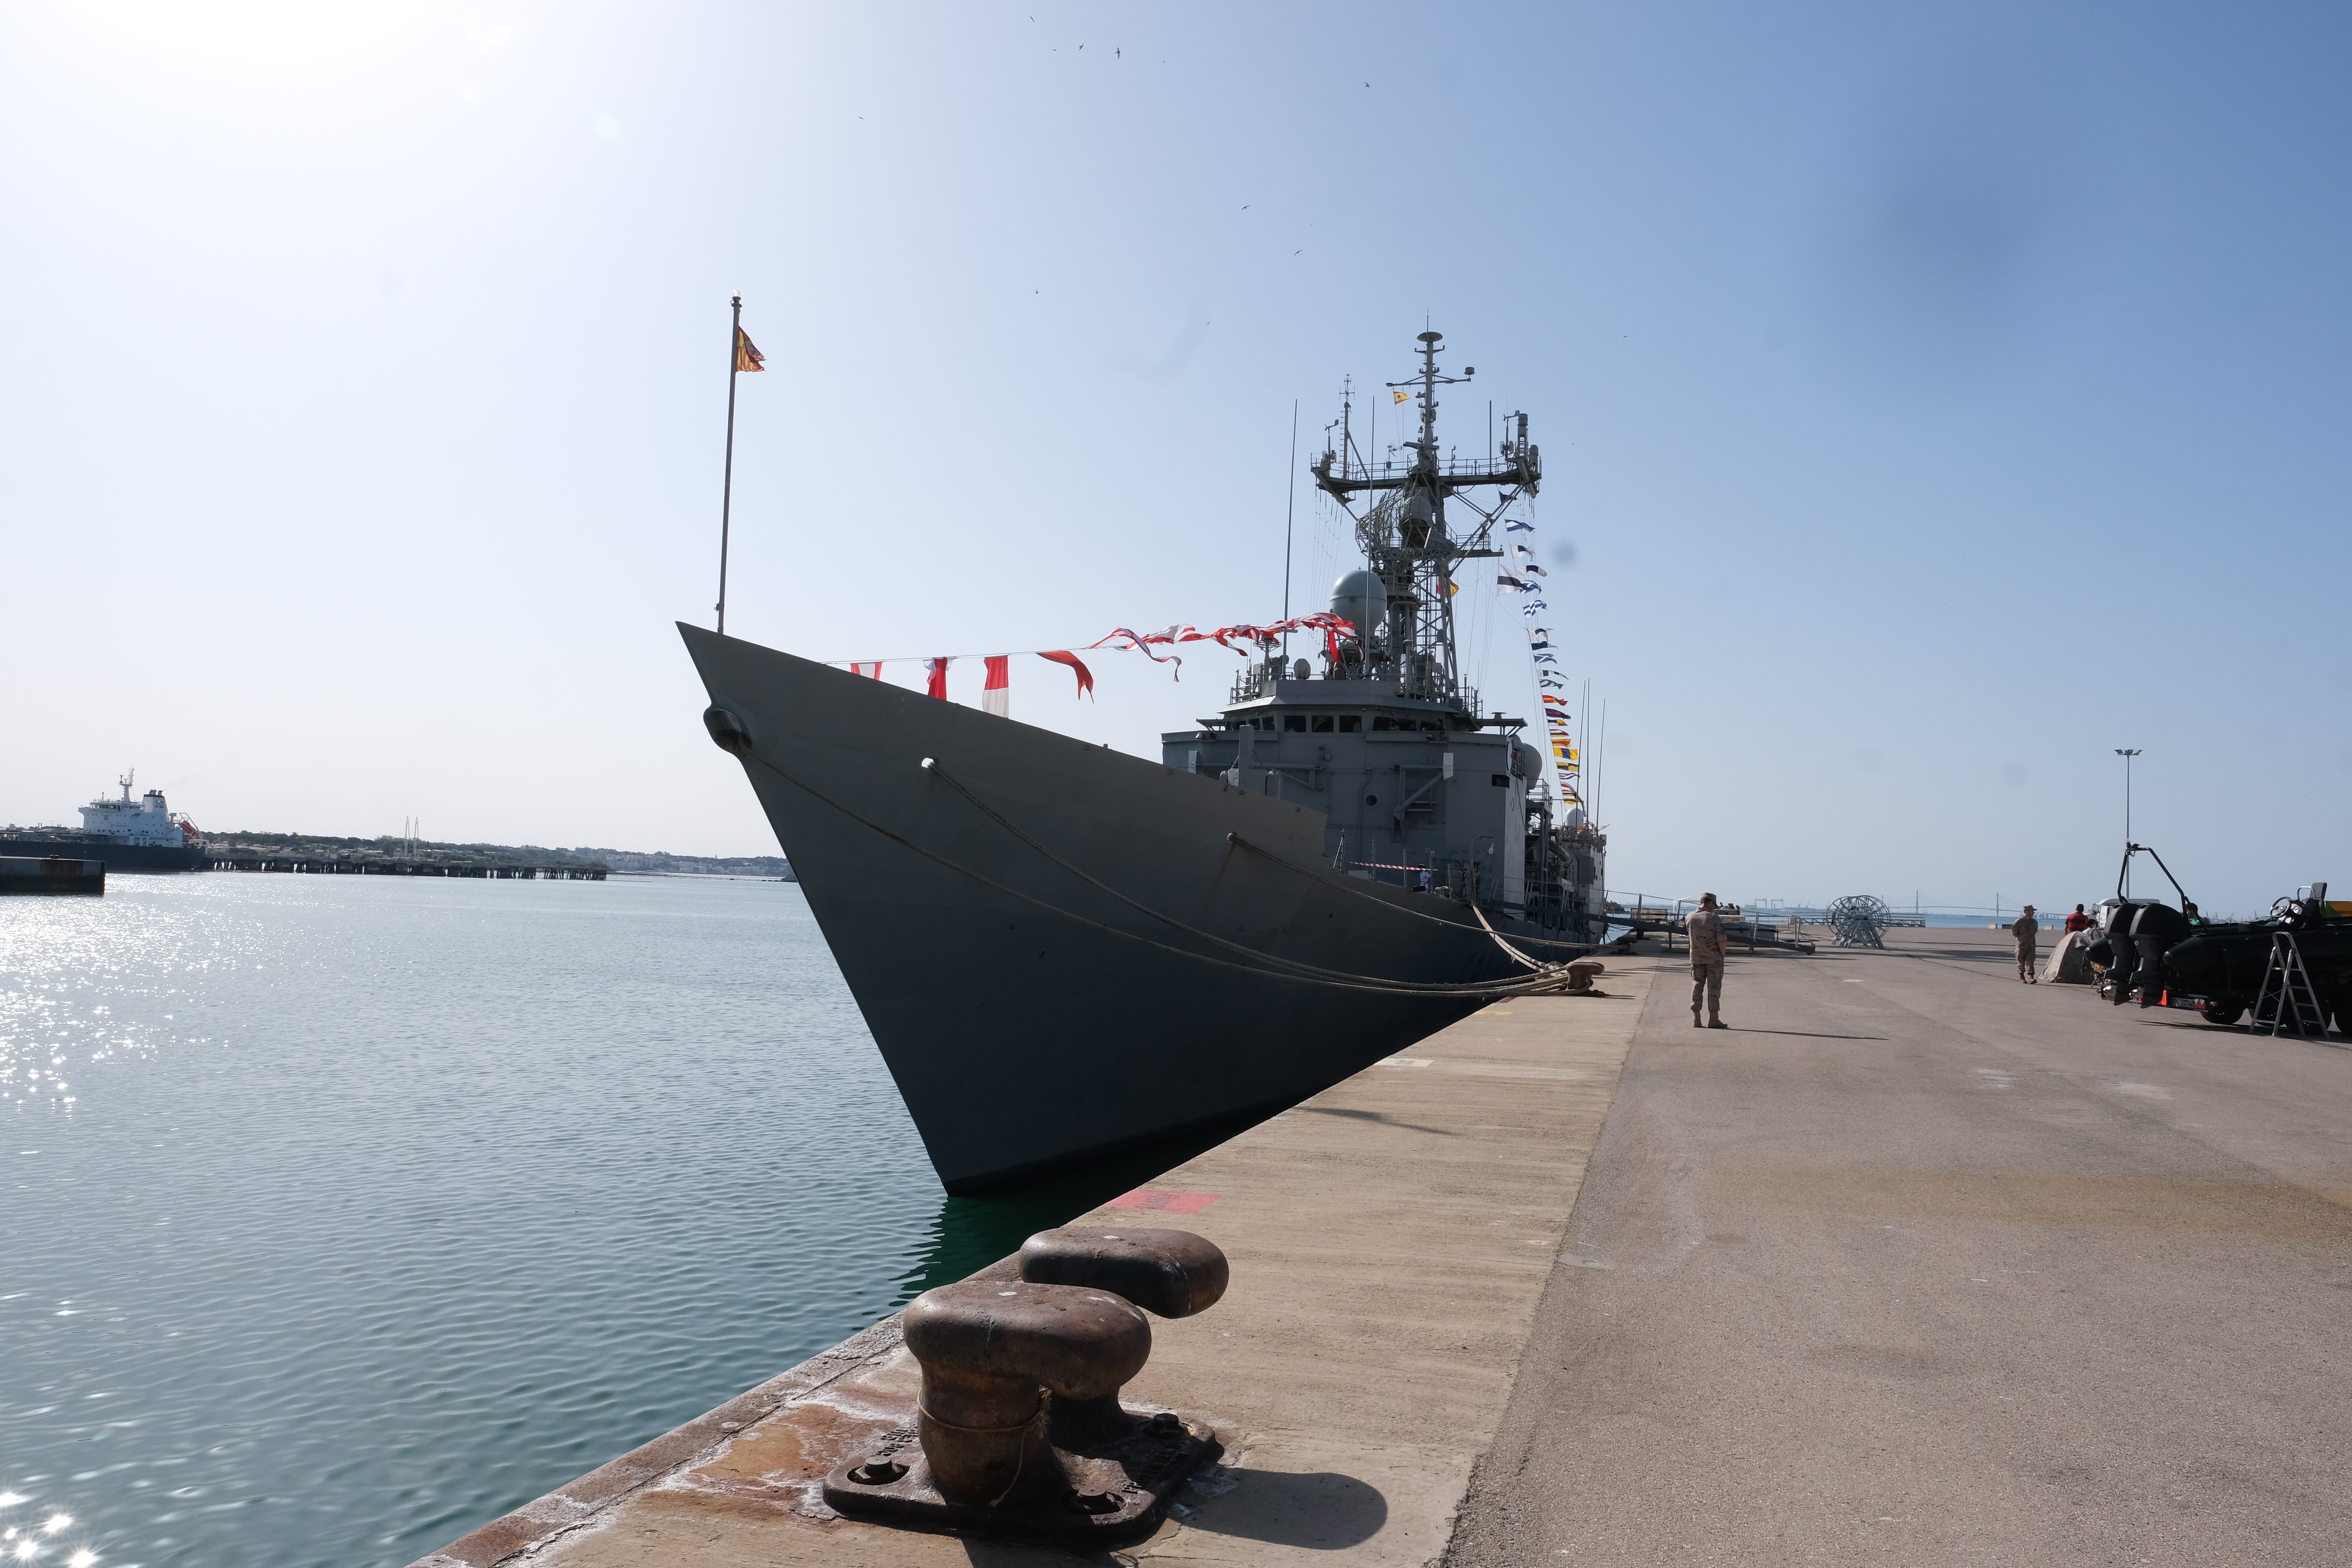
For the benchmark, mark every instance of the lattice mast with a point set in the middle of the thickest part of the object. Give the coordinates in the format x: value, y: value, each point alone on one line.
x: 1406, y: 536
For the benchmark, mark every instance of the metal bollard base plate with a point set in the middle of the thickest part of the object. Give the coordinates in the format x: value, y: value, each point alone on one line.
x: 1111, y: 1494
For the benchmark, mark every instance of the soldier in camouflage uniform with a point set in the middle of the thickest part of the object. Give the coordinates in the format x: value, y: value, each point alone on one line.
x: 2026, y: 929
x: 1704, y: 929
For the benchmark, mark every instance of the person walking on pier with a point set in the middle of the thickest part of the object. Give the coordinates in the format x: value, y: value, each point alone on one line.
x: 1704, y: 929
x: 2025, y: 929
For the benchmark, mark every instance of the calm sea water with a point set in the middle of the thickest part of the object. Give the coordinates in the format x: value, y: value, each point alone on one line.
x: 344, y: 1213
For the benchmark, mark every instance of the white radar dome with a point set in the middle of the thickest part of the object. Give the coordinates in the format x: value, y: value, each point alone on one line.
x: 1362, y: 599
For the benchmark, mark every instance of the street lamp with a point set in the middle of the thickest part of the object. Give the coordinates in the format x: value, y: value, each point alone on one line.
x: 2127, y: 756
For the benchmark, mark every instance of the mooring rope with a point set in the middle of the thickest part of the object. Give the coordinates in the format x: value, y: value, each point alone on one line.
x: 1341, y: 886
x: 931, y: 766
x: 1331, y: 979
x: 1505, y: 946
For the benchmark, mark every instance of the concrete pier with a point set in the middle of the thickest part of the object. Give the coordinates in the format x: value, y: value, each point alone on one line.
x: 1923, y: 1265
x: 1912, y: 1264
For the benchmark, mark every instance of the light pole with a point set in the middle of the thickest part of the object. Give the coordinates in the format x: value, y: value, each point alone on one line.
x: 2127, y: 756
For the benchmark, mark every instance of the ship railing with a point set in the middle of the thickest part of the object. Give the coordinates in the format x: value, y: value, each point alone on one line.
x: 1452, y: 468
x: 1256, y: 680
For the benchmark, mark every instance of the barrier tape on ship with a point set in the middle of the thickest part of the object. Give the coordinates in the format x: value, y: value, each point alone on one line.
x: 1553, y: 979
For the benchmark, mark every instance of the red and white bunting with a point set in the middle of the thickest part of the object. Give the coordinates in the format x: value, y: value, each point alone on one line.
x: 1333, y: 628
x: 1085, y: 676
x: 996, y: 695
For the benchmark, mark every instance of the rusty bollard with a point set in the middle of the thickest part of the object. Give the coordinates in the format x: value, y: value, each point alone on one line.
x: 986, y: 1348
x: 1169, y: 1273
x: 982, y: 1453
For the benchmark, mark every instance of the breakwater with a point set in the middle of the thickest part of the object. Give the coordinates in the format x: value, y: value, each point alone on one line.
x: 314, y: 865
x: 51, y: 874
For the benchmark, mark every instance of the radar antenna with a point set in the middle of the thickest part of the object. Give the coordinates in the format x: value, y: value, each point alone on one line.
x: 1405, y: 531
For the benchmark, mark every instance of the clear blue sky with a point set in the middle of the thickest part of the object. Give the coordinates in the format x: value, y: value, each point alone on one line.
x: 1935, y: 397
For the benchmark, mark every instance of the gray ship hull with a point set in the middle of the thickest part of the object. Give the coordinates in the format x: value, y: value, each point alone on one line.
x: 1030, y: 1017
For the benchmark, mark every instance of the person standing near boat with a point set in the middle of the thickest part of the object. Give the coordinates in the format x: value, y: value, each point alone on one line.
x: 1704, y: 929
x: 2027, y: 930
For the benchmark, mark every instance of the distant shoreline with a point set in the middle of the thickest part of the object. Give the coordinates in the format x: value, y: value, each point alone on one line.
x: 393, y: 847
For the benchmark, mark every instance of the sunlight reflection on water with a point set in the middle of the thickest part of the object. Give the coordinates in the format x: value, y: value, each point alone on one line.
x: 344, y: 1215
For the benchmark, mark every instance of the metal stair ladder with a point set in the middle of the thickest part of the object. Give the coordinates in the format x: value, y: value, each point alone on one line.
x: 2293, y: 990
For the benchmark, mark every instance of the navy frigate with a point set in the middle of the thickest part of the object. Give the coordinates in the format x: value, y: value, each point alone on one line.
x: 1061, y: 950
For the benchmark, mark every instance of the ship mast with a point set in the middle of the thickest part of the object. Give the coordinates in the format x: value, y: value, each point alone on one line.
x: 1407, y: 540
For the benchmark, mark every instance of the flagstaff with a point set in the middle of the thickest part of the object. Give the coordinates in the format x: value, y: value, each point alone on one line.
x: 741, y: 356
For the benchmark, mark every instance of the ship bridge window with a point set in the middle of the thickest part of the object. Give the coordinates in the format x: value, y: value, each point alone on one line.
x: 1294, y: 722
x: 1382, y: 721
x: 1321, y: 724
x: 1351, y: 723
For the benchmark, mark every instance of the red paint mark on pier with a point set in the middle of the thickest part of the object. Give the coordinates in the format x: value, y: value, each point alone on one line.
x: 1167, y: 1202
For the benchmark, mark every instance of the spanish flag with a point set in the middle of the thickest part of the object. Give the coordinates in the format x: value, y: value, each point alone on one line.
x: 746, y: 356
x: 1401, y: 395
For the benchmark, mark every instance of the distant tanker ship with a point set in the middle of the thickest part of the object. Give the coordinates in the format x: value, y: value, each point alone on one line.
x: 143, y: 835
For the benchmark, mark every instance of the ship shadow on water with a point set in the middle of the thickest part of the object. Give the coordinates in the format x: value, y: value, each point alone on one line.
x: 971, y: 1232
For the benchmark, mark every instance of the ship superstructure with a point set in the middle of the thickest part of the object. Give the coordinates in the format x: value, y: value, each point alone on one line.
x: 1417, y: 786
x: 148, y: 820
